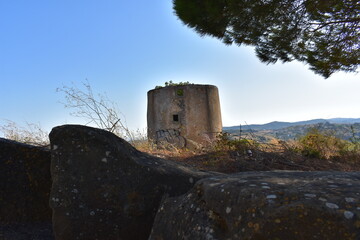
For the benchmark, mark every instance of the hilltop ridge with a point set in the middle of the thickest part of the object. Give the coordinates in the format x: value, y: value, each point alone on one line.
x: 279, y: 125
x: 344, y: 128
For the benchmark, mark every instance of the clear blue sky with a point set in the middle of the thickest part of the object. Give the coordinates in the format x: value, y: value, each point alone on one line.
x: 125, y: 48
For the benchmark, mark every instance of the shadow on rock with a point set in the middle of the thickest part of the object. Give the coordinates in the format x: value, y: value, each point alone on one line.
x: 103, y: 188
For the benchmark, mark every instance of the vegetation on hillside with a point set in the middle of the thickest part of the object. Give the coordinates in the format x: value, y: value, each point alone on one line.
x: 325, y: 145
x: 317, y: 150
x: 342, y: 131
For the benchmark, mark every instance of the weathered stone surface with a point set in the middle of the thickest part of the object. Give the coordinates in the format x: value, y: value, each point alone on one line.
x: 27, y: 231
x: 103, y: 188
x: 264, y: 205
x: 184, y: 115
x: 25, y: 183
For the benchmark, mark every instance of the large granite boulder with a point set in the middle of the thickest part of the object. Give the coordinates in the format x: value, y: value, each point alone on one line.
x: 27, y: 231
x: 264, y: 205
x: 25, y: 183
x: 103, y: 188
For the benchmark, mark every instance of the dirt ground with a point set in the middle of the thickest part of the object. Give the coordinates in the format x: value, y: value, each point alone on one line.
x: 233, y: 161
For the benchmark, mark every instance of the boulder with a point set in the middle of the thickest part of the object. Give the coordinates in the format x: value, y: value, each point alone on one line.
x: 27, y: 231
x: 103, y: 188
x: 25, y: 183
x: 264, y: 205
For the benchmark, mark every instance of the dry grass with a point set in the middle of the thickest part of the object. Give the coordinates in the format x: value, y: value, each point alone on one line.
x: 30, y: 134
x: 275, y: 155
x: 316, y: 151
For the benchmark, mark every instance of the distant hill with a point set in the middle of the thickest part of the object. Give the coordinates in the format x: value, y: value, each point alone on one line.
x: 344, y: 120
x: 279, y: 125
x: 344, y: 128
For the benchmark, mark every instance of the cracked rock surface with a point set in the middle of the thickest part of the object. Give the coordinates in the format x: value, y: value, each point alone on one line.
x: 264, y: 205
x: 103, y: 188
x: 25, y: 184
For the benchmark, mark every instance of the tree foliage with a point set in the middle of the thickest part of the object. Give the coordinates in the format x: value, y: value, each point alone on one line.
x: 322, y: 33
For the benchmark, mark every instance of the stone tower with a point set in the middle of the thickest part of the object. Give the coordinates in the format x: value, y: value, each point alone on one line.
x: 184, y: 115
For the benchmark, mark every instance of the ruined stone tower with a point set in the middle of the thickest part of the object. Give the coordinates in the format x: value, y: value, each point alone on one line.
x: 184, y: 115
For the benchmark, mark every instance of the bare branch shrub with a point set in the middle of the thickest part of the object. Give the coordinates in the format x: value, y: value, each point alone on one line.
x: 96, y: 109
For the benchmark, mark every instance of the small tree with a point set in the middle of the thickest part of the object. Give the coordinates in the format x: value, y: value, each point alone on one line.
x: 97, y: 109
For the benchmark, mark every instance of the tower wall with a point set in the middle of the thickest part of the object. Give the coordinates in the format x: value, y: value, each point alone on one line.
x: 184, y: 115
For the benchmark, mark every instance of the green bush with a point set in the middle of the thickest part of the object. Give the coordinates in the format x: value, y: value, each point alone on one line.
x: 224, y: 143
x: 323, y: 145
x: 171, y: 83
